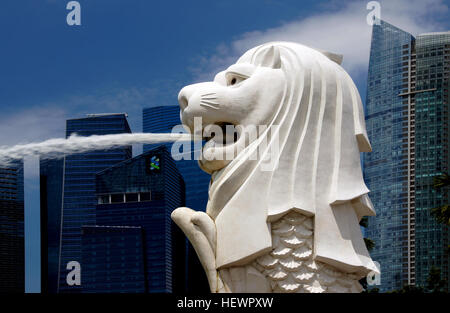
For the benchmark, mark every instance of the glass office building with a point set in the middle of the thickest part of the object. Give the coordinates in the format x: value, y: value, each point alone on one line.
x: 78, y: 190
x: 50, y: 177
x: 135, y: 199
x: 431, y: 93
x: 12, y: 256
x: 162, y: 119
x: 113, y: 259
x: 405, y: 120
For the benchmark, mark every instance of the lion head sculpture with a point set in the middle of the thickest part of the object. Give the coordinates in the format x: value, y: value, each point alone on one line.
x: 314, y: 131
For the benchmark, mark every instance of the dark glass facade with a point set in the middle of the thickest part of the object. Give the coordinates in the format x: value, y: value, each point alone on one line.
x: 386, y: 168
x: 431, y: 151
x: 398, y: 104
x: 139, y: 193
x: 113, y: 259
x: 78, y: 191
x: 12, y: 256
x: 162, y: 119
x: 51, y: 176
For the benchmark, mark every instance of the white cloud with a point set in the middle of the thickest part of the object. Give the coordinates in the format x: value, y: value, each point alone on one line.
x: 48, y: 120
x: 339, y: 28
x: 31, y: 124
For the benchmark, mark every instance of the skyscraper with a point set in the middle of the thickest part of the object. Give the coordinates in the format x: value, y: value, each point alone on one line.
x: 113, y: 259
x: 162, y: 119
x: 135, y: 246
x: 51, y: 178
x: 78, y: 191
x: 407, y: 123
x: 12, y: 250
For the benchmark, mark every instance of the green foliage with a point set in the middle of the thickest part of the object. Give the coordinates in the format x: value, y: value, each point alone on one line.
x: 371, y: 290
x: 409, y: 289
x: 442, y: 180
x: 442, y: 214
x: 370, y: 244
x: 434, y: 282
x: 364, y: 222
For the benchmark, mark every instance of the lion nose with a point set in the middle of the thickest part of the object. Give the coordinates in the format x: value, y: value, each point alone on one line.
x: 184, y: 95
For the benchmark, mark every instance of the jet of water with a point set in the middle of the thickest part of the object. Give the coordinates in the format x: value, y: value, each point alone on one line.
x: 59, y: 147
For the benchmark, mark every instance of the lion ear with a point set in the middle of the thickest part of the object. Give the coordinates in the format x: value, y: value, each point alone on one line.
x: 271, y: 58
x: 337, y: 58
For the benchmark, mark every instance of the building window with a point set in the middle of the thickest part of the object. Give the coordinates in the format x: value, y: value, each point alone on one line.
x: 103, y: 199
x: 131, y: 197
x: 145, y: 196
x: 117, y: 198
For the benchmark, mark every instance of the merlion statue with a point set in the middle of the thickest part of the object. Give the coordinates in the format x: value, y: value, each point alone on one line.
x: 294, y: 227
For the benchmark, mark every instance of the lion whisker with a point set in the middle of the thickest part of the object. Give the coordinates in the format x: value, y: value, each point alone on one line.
x: 209, y: 94
x: 204, y: 104
x: 210, y: 102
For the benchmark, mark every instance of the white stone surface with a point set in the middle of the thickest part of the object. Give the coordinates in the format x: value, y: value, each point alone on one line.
x: 315, y: 133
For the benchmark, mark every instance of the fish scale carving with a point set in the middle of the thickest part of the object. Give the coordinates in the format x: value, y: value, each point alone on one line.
x: 290, y: 266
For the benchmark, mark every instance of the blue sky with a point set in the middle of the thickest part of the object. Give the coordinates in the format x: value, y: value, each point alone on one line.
x: 130, y: 54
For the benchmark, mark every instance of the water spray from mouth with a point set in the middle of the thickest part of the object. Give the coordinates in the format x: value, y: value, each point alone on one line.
x: 59, y: 147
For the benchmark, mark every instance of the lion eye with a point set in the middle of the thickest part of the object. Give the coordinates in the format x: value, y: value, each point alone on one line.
x: 234, y: 80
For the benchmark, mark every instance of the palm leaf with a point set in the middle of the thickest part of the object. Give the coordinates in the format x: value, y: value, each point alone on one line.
x: 442, y: 180
x: 442, y: 214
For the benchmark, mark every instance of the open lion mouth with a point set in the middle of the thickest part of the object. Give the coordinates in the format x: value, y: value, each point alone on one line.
x: 222, y: 133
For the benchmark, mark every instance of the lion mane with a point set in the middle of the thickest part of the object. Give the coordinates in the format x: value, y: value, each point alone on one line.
x: 320, y: 131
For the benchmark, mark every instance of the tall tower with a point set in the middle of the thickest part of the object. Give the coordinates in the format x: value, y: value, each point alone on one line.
x: 406, y: 114
x: 430, y: 93
x: 78, y: 191
x: 135, y: 246
x: 51, y: 183
x: 12, y: 257
x: 162, y: 119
